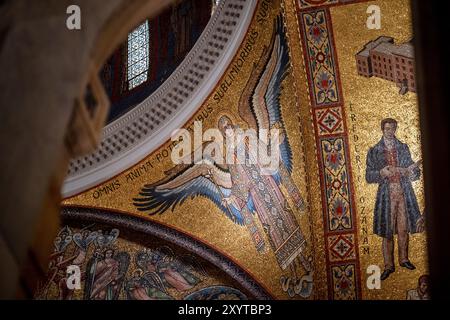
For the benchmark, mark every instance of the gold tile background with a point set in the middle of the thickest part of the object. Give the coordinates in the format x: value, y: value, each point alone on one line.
x: 200, y: 218
x: 371, y: 100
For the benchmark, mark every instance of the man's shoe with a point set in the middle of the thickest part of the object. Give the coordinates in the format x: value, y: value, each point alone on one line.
x: 386, y: 273
x: 408, y: 265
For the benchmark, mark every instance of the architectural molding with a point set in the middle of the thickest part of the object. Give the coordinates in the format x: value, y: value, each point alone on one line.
x: 178, y: 238
x: 146, y: 127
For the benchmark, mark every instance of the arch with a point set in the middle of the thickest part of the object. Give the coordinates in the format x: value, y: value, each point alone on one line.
x: 138, y: 133
x: 173, y: 236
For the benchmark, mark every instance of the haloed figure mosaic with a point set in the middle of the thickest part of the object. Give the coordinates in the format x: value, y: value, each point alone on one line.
x: 242, y: 189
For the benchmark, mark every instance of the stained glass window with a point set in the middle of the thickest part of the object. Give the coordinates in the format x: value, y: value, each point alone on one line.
x: 138, y: 55
x: 215, y: 4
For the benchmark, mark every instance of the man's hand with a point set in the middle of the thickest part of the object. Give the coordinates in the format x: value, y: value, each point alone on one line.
x: 387, y: 172
x: 402, y: 171
x: 420, y: 225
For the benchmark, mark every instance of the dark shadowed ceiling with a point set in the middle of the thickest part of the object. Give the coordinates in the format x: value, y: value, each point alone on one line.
x: 151, y: 53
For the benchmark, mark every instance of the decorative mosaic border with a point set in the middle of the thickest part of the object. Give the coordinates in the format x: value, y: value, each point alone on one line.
x: 328, y: 110
x: 173, y: 236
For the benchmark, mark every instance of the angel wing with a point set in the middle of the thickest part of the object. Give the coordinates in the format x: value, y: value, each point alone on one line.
x: 205, y: 179
x: 153, y: 280
x: 124, y: 262
x: 166, y: 253
x: 259, y: 103
x: 191, y: 263
x: 105, y: 239
x: 63, y: 239
x: 84, y: 242
x: 90, y: 275
x: 62, y: 243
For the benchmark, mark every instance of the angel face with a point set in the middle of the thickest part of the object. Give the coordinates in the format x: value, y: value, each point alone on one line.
x: 98, y: 254
x: 226, y: 126
x: 109, y: 254
x: 151, y: 267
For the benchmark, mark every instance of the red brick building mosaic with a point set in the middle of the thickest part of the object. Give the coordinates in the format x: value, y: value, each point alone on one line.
x: 384, y: 59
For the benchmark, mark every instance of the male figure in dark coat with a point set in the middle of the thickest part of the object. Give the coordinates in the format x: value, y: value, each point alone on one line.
x: 389, y: 164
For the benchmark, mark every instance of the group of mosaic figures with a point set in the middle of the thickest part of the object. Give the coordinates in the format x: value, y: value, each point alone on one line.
x: 104, y: 274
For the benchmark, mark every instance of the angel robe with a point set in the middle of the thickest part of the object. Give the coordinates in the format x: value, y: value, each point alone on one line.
x: 105, y: 277
x: 261, y: 193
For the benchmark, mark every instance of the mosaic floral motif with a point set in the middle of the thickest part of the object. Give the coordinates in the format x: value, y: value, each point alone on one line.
x: 334, y: 157
x: 344, y: 282
x: 320, y: 58
x: 329, y: 121
x: 325, y: 87
x: 328, y: 110
x: 318, y: 34
x: 341, y: 247
x: 339, y: 218
x: 336, y: 183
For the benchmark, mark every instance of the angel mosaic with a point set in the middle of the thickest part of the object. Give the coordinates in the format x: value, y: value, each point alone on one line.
x: 62, y: 258
x: 241, y: 190
x: 106, y: 270
x: 160, y: 269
